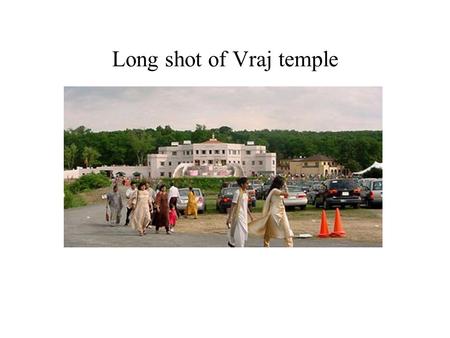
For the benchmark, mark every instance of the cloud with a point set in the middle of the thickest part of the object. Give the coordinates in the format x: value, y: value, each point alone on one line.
x: 300, y: 108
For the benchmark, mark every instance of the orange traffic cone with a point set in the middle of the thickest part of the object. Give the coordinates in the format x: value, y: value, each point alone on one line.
x: 338, y: 228
x: 324, y: 226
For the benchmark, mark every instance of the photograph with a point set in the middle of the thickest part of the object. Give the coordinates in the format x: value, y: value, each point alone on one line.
x: 223, y: 167
x: 223, y: 163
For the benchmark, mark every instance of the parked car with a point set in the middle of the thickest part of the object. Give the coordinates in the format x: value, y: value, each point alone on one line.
x: 265, y: 189
x: 313, y: 191
x: 372, y: 192
x: 338, y: 192
x: 296, y: 197
x: 225, y: 197
x: 258, y: 185
x: 251, y: 191
x: 182, y: 200
x: 306, y: 185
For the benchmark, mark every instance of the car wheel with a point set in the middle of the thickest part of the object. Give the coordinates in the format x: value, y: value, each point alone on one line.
x: 356, y: 206
x: 302, y: 207
x: 316, y: 203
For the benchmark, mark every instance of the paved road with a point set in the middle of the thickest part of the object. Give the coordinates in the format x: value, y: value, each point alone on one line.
x: 85, y: 227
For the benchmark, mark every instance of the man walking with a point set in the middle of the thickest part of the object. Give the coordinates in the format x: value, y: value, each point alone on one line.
x: 129, y: 195
x: 174, y: 194
x: 114, y: 201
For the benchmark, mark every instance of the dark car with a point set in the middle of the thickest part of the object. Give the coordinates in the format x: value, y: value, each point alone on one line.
x: 306, y: 185
x: 265, y: 189
x: 313, y: 191
x: 226, y: 196
x: 338, y: 192
x: 258, y: 185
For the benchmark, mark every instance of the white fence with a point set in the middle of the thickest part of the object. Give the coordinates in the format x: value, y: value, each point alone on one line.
x: 126, y: 170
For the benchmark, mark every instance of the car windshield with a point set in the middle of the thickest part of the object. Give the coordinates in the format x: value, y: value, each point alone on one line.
x: 294, y: 188
x: 343, y: 184
x: 378, y: 185
x: 228, y: 191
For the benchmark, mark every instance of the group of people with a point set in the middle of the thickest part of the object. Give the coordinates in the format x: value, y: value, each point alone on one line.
x: 273, y: 223
x: 147, y: 208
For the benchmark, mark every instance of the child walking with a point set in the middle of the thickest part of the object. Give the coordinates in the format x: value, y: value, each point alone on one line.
x: 172, y: 217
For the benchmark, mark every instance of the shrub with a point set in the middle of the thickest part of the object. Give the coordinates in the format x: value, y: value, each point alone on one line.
x: 84, y: 183
x: 72, y: 200
x: 89, y: 182
x: 211, y: 184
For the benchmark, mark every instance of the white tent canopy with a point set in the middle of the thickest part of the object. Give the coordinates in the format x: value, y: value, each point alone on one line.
x: 375, y: 165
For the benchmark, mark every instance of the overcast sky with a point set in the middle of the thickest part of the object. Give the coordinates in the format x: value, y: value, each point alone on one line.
x: 299, y: 108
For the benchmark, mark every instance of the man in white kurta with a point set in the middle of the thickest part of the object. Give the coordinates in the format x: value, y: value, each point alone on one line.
x: 174, y: 195
x: 238, y: 217
x: 129, y: 194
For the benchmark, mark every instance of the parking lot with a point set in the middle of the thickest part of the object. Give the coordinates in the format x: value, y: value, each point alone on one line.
x: 86, y: 227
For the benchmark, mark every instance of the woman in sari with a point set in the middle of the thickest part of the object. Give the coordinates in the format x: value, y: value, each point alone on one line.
x: 191, y: 207
x: 237, y: 221
x: 141, y: 205
x: 274, y: 223
x: 162, y: 209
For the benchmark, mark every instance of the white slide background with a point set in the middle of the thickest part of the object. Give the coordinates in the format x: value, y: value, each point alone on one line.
x: 398, y: 290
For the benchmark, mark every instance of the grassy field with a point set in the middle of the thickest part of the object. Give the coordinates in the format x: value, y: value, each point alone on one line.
x: 297, y: 213
x: 94, y: 197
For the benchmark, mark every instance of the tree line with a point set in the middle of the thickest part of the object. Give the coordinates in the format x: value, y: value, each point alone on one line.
x: 356, y: 150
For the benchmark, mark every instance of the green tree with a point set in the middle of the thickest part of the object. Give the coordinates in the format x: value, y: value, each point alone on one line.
x: 201, y: 134
x: 354, y: 149
x: 70, y: 153
x: 141, y: 144
x: 90, y: 156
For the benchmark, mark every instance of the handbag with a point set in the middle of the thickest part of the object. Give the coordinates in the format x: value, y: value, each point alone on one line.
x: 107, y: 215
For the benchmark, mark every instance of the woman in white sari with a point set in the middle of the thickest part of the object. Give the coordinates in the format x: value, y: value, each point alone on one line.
x: 142, y: 205
x: 274, y: 223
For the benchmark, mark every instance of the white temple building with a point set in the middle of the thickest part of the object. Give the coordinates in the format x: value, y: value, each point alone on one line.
x: 211, y: 158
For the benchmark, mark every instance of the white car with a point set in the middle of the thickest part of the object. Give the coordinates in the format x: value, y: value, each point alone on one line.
x: 182, y: 200
x: 372, y: 192
x: 296, y: 197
